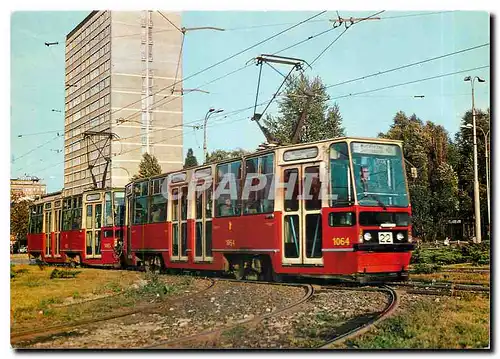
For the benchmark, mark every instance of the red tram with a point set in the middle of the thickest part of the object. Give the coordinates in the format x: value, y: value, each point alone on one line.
x: 329, y: 208
x: 85, y: 229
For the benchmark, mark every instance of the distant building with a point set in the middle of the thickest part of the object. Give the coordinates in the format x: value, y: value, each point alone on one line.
x: 28, y: 188
x: 117, y: 63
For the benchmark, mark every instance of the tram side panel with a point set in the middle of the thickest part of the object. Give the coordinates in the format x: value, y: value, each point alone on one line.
x: 35, y: 244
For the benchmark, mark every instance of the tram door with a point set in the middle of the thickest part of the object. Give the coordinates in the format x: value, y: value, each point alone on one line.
x: 203, y: 224
x: 48, y: 229
x: 179, y: 208
x: 57, y: 231
x: 302, y: 235
x: 93, y: 224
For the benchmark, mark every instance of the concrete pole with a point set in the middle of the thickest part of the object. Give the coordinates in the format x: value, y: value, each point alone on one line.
x: 487, y: 175
x: 477, y: 210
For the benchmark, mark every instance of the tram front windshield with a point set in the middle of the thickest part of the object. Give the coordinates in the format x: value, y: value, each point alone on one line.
x: 379, y: 175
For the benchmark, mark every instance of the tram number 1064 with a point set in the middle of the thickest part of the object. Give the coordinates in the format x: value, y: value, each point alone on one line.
x: 341, y: 241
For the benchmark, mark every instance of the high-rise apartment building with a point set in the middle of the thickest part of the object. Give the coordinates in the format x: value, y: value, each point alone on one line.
x: 120, y: 68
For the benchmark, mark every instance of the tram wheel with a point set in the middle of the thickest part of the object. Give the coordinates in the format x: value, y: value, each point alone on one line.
x: 153, y: 264
x: 240, y: 273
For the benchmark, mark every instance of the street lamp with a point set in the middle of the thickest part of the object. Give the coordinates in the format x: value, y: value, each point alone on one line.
x: 476, y: 181
x: 486, y: 135
x: 209, y: 113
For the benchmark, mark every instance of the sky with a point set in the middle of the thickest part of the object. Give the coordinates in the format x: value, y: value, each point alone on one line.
x: 398, y: 38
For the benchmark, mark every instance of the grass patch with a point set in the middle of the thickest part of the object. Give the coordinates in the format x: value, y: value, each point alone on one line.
x: 450, y: 323
x: 31, y: 291
x: 455, y: 277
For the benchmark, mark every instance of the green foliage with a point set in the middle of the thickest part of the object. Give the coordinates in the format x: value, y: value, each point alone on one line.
x: 425, y: 268
x: 322, y: 122
x: 19, y: 216
x: 155, y: 286
x: 63, y: 273
x: 465, y: 162
x: 477, y: 253
x: 434, y: 194
x: 148, y: 167
x: 470, y: 253
x: 220, y: 155
x: 190, y: 160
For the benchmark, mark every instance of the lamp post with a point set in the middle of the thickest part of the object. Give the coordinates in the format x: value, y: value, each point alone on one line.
x: 209, y: 113
x: 486, y: 135
x: 477, y: 214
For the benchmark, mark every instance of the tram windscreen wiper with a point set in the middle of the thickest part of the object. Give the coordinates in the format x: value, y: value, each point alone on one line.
x: 376, y: 198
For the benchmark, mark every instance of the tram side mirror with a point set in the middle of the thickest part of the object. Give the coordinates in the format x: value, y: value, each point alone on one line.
x: 414, y: 173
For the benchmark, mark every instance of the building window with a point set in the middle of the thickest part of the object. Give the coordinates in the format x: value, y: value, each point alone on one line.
x: 150, y: 52
x: 150, y: 35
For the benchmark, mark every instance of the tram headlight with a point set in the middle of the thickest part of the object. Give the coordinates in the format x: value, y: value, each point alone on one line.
x: 367, y: 237
x: 400, y: 236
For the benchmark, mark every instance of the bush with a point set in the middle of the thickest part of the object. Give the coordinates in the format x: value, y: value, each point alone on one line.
x: 64, y: 273
x: 155, y: 286
x: 477, y: 253
x: 425, y: 268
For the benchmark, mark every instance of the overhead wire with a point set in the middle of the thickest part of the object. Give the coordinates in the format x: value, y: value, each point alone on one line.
x: 410, y: 82
x: 342, y: 33
x: 226, y: 59
x: 36, y: 148
x: 408, y: 65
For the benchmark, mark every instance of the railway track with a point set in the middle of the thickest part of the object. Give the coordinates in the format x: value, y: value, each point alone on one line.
x: 33, y: 335
x: 364, y: 327
x: 309, y: 292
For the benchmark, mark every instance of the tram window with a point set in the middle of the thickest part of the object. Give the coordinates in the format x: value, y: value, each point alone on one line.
x: 209, y: 200
x: 342, y: 219
x: 228, y: 200
x: 119, y: 208
x: 141, y: 202
x: 108, y: 211
x: 67, y: 215
x: 199, y: 203
x: 184, y: 203
x: 140, y: 210
x: 98, y: 215
x: 158, y: 209
x: 88, y: 219
x: 291, y: 199
x: 76, y: 222
x: 77, y: 218
x: 175, y: 204
x: 258, y: 200
x: 341, y: 187
x: 312, y: 196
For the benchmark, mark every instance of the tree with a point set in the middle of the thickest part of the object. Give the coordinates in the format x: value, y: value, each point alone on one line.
x: 465, y: 161
x: 434, y: 194
x: 19, y: 216
x: 220, y: 155
x: 190, y: 160
x: 148, y: 167
x: 321, y: 121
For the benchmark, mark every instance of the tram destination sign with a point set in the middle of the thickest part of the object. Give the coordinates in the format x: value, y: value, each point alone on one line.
x: 300, y: 154
x: 374, y: 149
